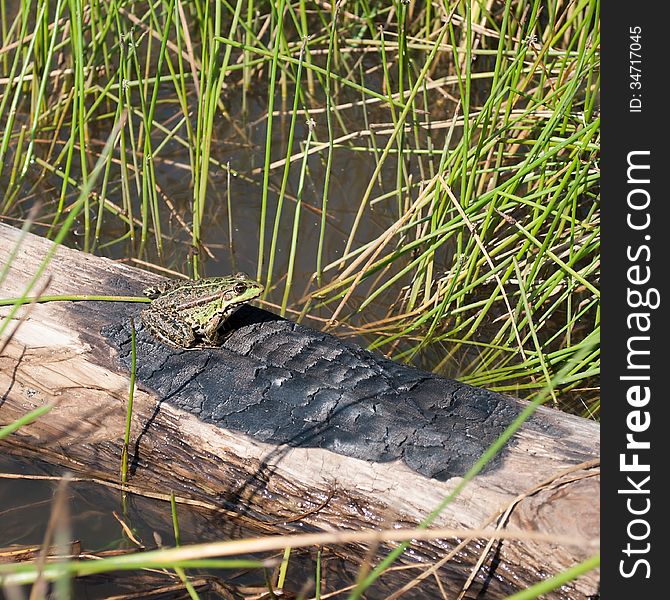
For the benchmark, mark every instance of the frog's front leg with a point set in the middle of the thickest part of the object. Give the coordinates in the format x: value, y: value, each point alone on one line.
x: 168, y: 328
x: 211, y: 330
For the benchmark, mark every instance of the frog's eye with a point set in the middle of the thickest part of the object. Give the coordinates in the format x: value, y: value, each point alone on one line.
x: 240, y: 288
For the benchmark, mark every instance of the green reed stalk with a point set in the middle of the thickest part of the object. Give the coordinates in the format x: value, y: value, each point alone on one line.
x: 278, y: 32
x: 129, y: 407
x: 9, y: 125
x: 213, y: 87
x: 329, y: 155
x: 296, y: 222
x: 287, y: 165
x: 149, y: 198
x: 43, y: 83
x: 553, y: 583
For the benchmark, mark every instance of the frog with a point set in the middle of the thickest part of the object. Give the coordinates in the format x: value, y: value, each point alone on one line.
x: 191, y: 314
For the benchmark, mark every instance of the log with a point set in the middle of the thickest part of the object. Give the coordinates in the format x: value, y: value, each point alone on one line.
x: 286, y: 423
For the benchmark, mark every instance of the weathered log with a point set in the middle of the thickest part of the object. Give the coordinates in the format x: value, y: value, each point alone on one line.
x: 284, y: 421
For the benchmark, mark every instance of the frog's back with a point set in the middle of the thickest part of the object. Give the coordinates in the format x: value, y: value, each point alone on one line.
x: 186, y: 291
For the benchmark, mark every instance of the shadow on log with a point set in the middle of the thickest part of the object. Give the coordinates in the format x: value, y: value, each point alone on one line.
x: 285, y: 423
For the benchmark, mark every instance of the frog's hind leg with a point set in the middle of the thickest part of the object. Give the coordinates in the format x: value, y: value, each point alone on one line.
x: 163, y: 287
x: 171, y: 332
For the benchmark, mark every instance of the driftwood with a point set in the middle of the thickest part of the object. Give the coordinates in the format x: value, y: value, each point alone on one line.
x: 286, y: 423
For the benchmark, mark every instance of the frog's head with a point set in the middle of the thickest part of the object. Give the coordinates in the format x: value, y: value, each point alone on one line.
x: 241, y: 289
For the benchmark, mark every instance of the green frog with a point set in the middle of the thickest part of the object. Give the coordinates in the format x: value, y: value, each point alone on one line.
x: 186, y: 314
